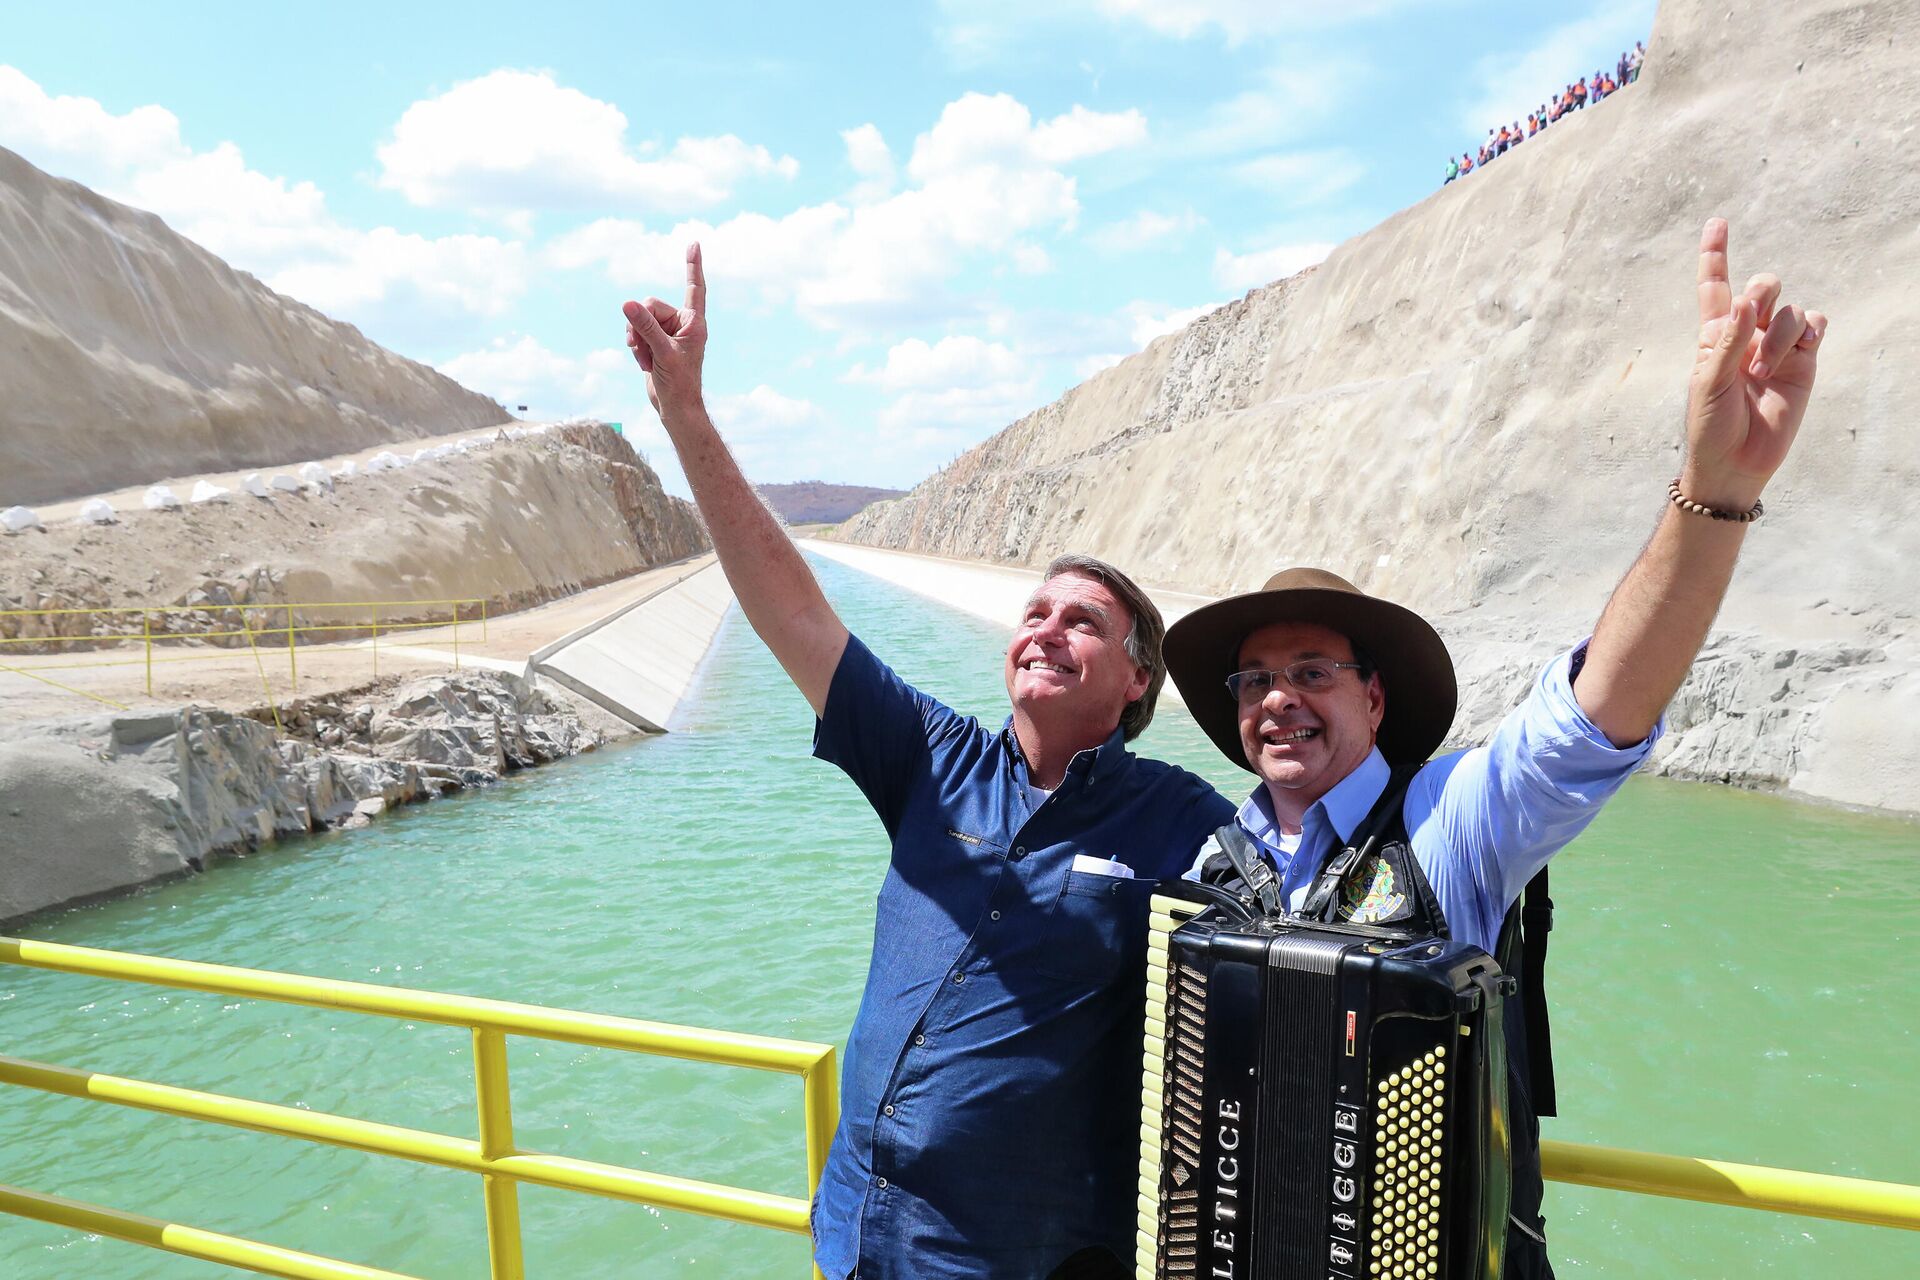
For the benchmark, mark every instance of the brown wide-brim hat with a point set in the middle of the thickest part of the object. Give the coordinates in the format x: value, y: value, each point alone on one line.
x: 1203, y: 649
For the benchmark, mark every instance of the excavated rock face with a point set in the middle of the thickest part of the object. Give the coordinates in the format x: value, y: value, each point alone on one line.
x: 516, y: 522
x: 1474, y: 407
x: 145, y: 356
x: 95, y: 806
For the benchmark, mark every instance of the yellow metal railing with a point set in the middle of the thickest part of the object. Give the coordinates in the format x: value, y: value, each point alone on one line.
x: 501, y: 1164
x: 466, y: 610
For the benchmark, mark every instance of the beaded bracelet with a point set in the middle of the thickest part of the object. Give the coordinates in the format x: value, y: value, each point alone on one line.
x: 1691, y: 507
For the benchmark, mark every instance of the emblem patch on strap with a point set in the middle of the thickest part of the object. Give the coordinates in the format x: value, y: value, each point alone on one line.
x: 1372, y: 894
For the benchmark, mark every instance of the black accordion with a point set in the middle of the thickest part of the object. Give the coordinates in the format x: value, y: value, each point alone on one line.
x: 1320, y: 1101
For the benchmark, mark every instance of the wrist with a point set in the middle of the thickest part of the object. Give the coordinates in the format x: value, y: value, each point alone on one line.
x: 1721, y: 491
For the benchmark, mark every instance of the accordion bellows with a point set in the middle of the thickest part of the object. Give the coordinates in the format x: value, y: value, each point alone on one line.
x: 1318, y: 1103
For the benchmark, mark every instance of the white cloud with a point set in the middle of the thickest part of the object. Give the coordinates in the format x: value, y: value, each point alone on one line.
x: 958, y: 358
x: 868, y: 156
x: 762, y: 412
x: 80, y: 139
x: 549, y: 384
x: 516, y: 139
x: 279, y: 230
x: 1248, y: 270
x: 987, y: 178
x: 1302, y: 177
x: 1144, y: 230
x: 1510, y: 86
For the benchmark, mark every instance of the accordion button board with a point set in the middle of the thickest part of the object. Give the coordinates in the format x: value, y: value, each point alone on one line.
x: 1318, y: 1103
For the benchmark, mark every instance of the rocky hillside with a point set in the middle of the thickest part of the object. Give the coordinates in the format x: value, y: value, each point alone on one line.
x: 526, y: 517
x: 146, y: 357
x: 1475, y: 406
x: 813, y: 502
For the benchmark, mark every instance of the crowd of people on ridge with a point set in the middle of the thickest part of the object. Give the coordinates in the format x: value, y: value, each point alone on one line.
x: 1576, y: 96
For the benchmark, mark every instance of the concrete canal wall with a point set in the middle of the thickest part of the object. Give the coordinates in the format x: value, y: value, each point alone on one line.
x: 94, y: 806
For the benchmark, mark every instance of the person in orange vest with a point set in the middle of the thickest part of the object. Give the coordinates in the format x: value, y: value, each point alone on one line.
x: 1466, y: 164
x: 1533, y: 124
x: 1580, y: 94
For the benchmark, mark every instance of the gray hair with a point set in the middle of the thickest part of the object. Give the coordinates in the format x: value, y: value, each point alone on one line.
x: 1143, y: 638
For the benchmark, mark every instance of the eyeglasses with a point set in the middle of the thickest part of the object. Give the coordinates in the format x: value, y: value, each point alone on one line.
x: 1315, y: 675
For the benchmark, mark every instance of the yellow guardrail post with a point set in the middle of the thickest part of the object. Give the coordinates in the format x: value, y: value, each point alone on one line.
x: 146, y: 636
x: 496, y: 1140
x: 822, y: 1109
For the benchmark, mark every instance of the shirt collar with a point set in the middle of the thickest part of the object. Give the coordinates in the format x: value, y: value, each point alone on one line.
x: 1099, y: 765
x: 1344, y: 807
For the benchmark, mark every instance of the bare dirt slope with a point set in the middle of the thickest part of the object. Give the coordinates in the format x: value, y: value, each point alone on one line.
x: 1475, y: 406
x: 129, y: 354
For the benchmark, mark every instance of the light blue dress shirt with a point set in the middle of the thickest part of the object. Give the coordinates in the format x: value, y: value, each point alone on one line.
x: 1481, y: 822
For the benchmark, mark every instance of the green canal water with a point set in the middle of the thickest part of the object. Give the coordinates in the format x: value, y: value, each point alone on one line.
x: 1732, y: 976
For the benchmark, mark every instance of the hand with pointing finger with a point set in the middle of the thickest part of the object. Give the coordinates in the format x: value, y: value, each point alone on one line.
x: 670, y: 343
x: 1752, y: 377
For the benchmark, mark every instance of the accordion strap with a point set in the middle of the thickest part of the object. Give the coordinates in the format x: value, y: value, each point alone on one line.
x: 1529, y: 922
x: 1258, y: 882
x: 1380, y: 826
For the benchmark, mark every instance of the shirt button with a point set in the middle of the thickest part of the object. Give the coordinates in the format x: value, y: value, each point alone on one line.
x: 880, y: 1183
x: 959, y: 977
x: 1019, y: 852
x: 919, y: 1039
x: 889, y: 1109
x: 996, y: 915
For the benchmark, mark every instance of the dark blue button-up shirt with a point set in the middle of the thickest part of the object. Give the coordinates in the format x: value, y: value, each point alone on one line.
x: 990, y: 1110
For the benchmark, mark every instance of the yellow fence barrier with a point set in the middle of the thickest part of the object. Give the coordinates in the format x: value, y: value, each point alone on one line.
x: 501, y: 1164
x: 402, y: 616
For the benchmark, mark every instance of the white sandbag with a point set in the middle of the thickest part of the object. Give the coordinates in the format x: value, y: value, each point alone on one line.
x: 204, y: 492
x: 385, y: 461
x: 98, y: 511
x: 285, y: 484
x: 160, y: 498
x: 20, y: 519
x: 256, y: 486
x: 347, y: 470
x: 316, y: 475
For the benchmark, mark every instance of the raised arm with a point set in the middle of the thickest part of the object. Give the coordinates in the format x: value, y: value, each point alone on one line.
x: 1752, y: 376
x: 775, y: 588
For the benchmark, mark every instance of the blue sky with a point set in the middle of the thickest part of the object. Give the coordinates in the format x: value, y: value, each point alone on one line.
x: 921, y: 220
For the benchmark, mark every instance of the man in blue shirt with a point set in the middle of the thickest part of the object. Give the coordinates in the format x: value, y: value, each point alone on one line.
x: 990, y: 1105
x: 1323, y: 691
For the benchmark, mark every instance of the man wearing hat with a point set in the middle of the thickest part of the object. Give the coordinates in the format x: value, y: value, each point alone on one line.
x: 1336, y: 699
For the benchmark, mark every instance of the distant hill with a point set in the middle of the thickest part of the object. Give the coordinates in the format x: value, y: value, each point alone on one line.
x: 813, y: 502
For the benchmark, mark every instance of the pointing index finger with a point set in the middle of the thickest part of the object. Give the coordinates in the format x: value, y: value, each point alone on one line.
x: 696, y: 281
x: 1716, y: 295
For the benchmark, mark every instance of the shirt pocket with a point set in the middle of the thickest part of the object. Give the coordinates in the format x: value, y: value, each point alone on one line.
x: 1096, y: 928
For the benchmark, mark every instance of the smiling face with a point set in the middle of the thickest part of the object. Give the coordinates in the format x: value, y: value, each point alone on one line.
x: 1067, y: 667
x: 1303, y: 744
